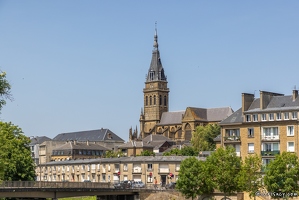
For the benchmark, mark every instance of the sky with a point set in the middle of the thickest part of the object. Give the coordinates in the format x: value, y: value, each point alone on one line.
x: 81, y: 65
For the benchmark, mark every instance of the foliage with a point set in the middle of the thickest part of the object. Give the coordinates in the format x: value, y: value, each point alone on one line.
x: 195, y: 178
x: 203, y: 137
x: 185, y: 151
x: 15, y: 154
x: 282, y: 174
x: 225, y: 166
x: 4, y: 90
x: 250, y: 177
x: 147, y: 153
x: 114, y: 154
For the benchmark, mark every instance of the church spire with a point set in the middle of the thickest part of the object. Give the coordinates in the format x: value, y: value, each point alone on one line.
x: 156, y: 71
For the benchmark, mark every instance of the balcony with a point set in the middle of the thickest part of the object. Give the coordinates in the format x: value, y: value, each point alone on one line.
x: 270, y: 138
x: 164, y: 170
x: 137, y: 171
x: 270, y: 153
x: 231, y: 139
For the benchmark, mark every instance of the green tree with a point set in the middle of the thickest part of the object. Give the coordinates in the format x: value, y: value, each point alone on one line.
x: 203, y: 137
x: 147, y: 153
x: 195, y: 178
x: 173, y: 152
x: 225, y: 166
x: 250, y: 177
x: 4, y: 90
x: 113, y: 154
x: 282, y: 175
x: 189, y: 151
x: 15, y: 154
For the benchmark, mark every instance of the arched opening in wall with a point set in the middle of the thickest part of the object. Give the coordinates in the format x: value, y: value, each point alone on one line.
x: 172, y: 131
x: 188, y: 132
x: 160, y: 100
x: 146, y: 100
x: 154, y: 99
x: 165, y: 101
x: 179, y: 134
x: 160, y: 130
x: 150, y: 100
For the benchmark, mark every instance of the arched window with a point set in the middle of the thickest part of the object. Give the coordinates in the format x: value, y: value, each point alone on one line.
x: 165, y: 101
x: 150, y: 100
x: 146, y: 100
x: 160, y: 100
x: 154, y: 99
x: 188, y: 133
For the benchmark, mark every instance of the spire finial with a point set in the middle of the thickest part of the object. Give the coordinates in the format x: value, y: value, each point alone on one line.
x: 156, y: 38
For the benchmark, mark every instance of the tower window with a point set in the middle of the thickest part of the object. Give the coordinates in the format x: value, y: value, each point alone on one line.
x: 160, y: 100
x: 165, y: 101
x: 152, y: 74
x: 146, y: 100
x: 154, y: 99
x: 150, y: 100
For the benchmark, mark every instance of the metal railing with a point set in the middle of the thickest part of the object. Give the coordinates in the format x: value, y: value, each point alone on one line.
x: 50, y: 184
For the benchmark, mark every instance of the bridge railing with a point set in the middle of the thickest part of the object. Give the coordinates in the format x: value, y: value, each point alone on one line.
x: 48, y: 184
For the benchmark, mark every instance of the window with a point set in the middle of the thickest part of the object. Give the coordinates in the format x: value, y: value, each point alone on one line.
x: 250, y: 132
x: 125, y: 167
x: 154, y: 99
x: 264, y: 117
x: 286, y: 115
x: 255, y: 117
x: 291, y: 146
x: 146, y: 100
x: 278, y: 116
x: 290, y: 130
x: 270, y: 133
x: 271, y: 116
x: 160, y: 100
x: 149, y: 167
x: 165, y: 101
x: 270, y: 147
x: 150, y: 100
x: 149, y: 179
x: 294, y: 115
x: 248, y: 118
x: 104, y: 177
x: 250, y: 147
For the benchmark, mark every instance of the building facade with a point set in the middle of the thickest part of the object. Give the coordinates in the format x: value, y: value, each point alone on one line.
x: 267, y: 125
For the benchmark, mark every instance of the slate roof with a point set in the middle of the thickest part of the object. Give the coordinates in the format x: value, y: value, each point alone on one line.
x: 137, y: 144
x: 277, y: 103
x: 172, y: 117
x: 92, y: 135
x: 81, y: 145
x: 211, y: 114
x: 155, y: 138
x: 235, y: 118
x: 39, y: 140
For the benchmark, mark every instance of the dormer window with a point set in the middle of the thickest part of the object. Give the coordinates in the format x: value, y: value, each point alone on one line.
x: 271, y: 116
x: 278, y: 116
x: 109, y: 136
x: 294, y: 115
x: 248, y: 118
x: 286, y: 115
x: 264, y: 117
x: 255, y: 117
x: 152, y: 75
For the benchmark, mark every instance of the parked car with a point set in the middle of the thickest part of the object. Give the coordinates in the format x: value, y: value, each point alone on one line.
x: 170, y: 185
x: 139, y: 184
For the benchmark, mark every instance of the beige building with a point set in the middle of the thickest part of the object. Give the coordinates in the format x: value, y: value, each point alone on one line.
x: 267, y: 125
x: 140, y: 168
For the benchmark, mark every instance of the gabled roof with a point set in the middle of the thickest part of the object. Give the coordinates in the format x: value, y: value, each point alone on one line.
x: 172, y: 117
x: 39, y: 140
x: 209, y: 114
x: 156, y: 137
x: 81, y: 145
x: 92, y: 136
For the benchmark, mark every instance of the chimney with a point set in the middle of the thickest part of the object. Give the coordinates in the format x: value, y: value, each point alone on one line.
x: 247, y: 100
x: 295, y: 94
x: 75, y: 142
x: 87, y: 143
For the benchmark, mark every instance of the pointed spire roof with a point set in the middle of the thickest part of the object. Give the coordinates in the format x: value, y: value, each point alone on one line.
x: 156, y: 71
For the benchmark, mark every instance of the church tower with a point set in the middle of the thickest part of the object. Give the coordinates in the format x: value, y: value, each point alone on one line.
x: 155, y: 93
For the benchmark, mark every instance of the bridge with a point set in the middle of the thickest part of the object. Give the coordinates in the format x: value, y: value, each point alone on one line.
x: 55, y: 190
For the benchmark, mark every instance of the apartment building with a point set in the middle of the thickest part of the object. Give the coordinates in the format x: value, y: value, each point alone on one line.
x: 267, y: 125
x: 141, y: 168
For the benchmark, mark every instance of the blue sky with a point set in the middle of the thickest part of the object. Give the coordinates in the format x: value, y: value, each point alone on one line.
x: 81, y: 65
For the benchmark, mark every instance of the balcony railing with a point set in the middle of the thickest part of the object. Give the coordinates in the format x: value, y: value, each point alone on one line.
x: 269, y: 138
x: 231, y: 138
x: 136, y: 170
x: 270, y: 153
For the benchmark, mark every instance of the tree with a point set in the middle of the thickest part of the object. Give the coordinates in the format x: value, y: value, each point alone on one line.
x: 225, y: 166
x: 203, y: 137
x: 282, y: 175
x: 250, y: 177
x: 195, y: 178
x: 4, y: 90
x: 15, y: 154
x: 147, y: 153
x: 113, y: 154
